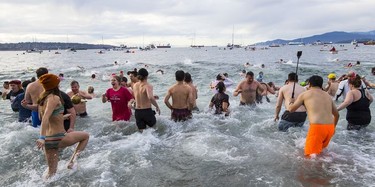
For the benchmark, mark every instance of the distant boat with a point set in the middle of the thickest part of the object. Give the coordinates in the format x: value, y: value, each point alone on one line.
x: 196, y: 46
x: 164, y: 46
x: 354, y: 42
x: 274, y: 45
x: 296, y: 43
x: 123, y: 47
x: 35, y: 50
x: 71, y: 50
x: 371, y: 42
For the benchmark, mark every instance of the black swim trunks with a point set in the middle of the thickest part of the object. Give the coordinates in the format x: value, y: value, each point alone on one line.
x: 253, y: 105
x: 181, y: 114
x: 82, y: 115
x: 294, y: 116
x: 144, y: 118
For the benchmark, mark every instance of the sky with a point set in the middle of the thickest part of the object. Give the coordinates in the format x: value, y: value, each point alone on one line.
x: 180, y: 23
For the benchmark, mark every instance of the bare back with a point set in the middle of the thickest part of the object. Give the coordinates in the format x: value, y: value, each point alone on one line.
x: 33, y: 91
x: 319, y: 106
x: 194, y: 93
x: 180, y: 96
x: 286, y: 94
x: 333, y: 89
x: 140, y: 94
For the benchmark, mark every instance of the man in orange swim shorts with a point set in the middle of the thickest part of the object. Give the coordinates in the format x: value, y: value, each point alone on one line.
x: 322, y: 114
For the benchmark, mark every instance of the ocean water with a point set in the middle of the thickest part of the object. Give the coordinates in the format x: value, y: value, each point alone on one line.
x: 244, y: 149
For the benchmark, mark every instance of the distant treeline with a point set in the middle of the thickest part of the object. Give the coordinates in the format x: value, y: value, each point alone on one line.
x: 22, y: 46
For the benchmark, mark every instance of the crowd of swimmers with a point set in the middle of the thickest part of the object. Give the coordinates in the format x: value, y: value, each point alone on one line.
x: 56, y: 112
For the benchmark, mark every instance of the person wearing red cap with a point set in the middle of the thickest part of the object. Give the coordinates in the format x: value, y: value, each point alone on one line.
x: 15, y: 89
x: 343, y: 87
x: 52, y: 133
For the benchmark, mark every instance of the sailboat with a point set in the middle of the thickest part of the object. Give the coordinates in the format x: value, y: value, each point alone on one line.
x: 232, y: 46
x: 193, y: 45
x: 34, y: 50
x: 102, y: 51
x: 69, y: 49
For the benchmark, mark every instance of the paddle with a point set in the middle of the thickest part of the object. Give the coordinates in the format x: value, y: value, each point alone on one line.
x: 299, y: 54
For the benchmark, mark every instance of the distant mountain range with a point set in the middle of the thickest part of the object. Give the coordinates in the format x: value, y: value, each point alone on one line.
x: 329, y: 37
x: 23, y: 46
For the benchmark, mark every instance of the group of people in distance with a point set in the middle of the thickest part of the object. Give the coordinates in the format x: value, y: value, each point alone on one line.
x: 56, y: 111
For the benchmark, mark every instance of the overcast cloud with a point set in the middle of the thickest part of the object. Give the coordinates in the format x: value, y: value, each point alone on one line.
x: 176, y: 21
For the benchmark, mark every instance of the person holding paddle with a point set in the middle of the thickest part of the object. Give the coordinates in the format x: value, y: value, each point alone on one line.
x: 295, y: 119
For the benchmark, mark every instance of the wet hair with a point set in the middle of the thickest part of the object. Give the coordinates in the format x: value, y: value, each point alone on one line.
x: 6, y: 82
x: 356, y: 82
x: 271, y: 84
x: 32, y: 79
x: 225, y: 74
x: 61, y: 75
x: 93, y: 76
x: 124, y: 79
x: 293, y: 77
x: 220, y: 86
x: 250, y: 73
x: 118, y: 78
x: 218, y: 77
x: 90, y: 90
x: 180, y: 75
x: 316, y: 81
x: 187, y: 77
x: 134, y: 72
x: 74, y: 82
x: 41, y: 71
x: 25, y: 83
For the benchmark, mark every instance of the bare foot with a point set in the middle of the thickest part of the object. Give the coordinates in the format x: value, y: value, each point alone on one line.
x: 73, y: 160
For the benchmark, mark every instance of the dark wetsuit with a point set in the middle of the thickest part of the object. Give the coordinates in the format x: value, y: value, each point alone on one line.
x: 181, y: 114
x: 358, y: 113
x: 144, y: 118
x: 218, y: 100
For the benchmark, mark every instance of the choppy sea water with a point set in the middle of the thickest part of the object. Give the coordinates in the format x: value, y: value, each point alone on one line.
x: 244, y: 149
